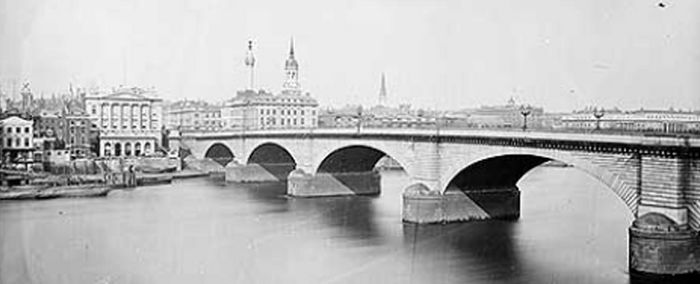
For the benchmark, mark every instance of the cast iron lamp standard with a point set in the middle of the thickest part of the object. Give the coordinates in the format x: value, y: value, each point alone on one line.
x: 525, y: 111
x: 359, y: 119
x: 598, y: 114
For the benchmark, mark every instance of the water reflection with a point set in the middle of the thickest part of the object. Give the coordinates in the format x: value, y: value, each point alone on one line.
x: 572, y: 230
x: 352, y: 217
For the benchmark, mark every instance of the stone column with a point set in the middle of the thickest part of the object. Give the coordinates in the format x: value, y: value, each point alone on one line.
x: 109, y: 116
x: 663, y: 239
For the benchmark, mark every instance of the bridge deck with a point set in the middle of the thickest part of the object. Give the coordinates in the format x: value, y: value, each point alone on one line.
x: 595, y: 138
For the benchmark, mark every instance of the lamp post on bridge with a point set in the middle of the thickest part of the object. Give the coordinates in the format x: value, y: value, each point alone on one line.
x: 438, y: 120
x: 359, y: 119
x: 525, y: 111
x: 598, y: 114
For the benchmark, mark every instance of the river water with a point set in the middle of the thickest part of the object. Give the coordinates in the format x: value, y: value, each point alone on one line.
x: 572, y: 230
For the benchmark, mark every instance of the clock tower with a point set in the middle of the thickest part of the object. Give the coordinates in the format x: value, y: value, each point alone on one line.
x: 291, y: 70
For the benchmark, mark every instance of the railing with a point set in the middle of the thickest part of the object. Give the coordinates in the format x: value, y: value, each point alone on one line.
x: 447, y: 128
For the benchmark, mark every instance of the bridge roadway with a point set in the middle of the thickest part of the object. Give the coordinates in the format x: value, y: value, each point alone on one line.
x: 464, y: 175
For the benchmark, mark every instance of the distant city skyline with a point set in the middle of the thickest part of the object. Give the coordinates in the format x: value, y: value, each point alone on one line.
x: 435, y: 54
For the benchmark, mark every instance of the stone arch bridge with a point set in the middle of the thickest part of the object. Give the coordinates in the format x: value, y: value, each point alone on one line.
x: 469, y: 175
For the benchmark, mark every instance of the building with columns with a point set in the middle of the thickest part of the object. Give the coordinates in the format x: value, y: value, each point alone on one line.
x: 129, y: 120
x: 251, y: 109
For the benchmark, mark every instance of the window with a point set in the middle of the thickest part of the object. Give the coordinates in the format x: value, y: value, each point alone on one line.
x: 94, y: 110
x: 9, y: 130
x: 302, y: 112
x: 18, y: 130
x: 26, y: 129
x: 9, y: 142
x: 302, y: 121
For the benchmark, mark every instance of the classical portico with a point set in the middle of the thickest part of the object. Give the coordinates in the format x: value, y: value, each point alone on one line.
x: 129, y: 120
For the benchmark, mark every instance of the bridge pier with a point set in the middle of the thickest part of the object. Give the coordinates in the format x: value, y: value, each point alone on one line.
x: 659, y: 246
x: 302, y: 184
x: 424, y: 206
x: 254, y: 173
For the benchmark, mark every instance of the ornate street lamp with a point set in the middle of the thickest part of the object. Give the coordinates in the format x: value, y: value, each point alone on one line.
x: 359, y: 119
x: 525, y: 111
x: 598, y: 114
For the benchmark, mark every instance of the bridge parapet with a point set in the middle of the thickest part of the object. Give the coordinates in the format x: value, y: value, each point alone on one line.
x: 652, y: 175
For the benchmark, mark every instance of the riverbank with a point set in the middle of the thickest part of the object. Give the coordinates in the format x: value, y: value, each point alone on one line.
x: 94, y: 188
x: 47, y: 192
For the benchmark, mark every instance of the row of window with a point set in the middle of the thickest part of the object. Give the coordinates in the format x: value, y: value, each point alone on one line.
x: 207, y: 115
x: 289, y: 121
x: 17, y: 129
x: 18, y: 142
x: 105, y: 126
x: 283, y: 112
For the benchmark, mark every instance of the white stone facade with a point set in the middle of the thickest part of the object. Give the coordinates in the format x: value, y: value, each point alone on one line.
x: 129, y: 119
x: 261, y: 110
x: 645, y: 120
x: 17, y: 138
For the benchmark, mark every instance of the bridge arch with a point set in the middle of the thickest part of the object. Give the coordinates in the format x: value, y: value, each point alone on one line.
x: 501, y: 169
x: 274, y: 158
x: 356, y: 158
x: 220, y: 153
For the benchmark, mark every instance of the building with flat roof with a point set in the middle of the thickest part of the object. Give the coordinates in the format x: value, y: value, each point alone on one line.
x: 251, y: 109
x: 17, y: 136
x: 665, y: 121
x: 188, y: 115
x: 129, y: 119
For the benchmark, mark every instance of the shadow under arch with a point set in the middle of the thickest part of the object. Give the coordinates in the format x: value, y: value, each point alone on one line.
x: 354, y: 158
x: 274, y: 158
x: 353, y: 163
x: 220, y: 153
x: 503, y: 171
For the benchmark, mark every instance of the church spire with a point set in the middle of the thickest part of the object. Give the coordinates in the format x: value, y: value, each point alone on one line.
x: 291, y: 48
x: 291, y: 70
x: 382, y: 91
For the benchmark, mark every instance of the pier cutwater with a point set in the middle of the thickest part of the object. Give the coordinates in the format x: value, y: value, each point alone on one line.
x: 313, y: 141
x: 460, y: 176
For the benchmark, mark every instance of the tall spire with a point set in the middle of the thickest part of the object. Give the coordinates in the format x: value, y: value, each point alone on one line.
x: 382, y: 91
x: 291, y: 48
x: 291, y: 70
x: 250, y: 63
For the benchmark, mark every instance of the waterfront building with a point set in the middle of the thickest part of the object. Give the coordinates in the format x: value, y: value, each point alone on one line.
x: 17, y: 138
x: 251, y: 109
x: 263, y: 110
x: 72, y: 130
x: 129, y: 119
x: 666, y: 121
x: 187, y: 115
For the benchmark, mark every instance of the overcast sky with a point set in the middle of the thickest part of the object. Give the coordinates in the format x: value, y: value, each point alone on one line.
x: 560, y: 54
